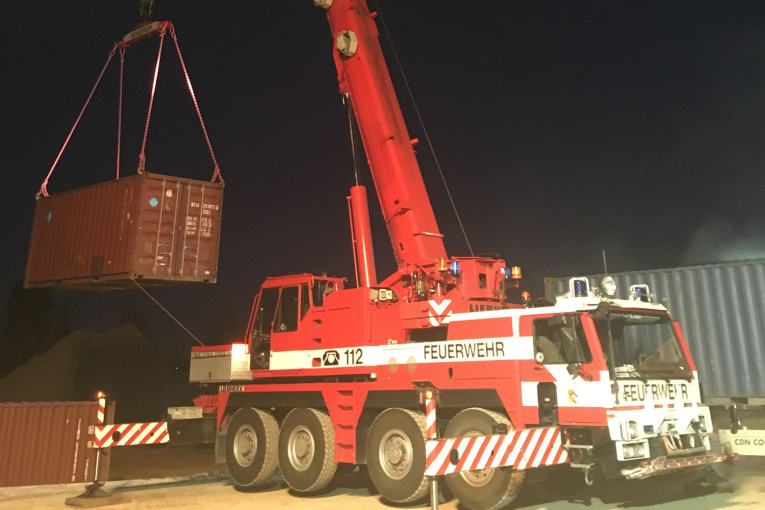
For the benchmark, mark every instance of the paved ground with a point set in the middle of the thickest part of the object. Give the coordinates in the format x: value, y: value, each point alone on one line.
x: 141, y: 476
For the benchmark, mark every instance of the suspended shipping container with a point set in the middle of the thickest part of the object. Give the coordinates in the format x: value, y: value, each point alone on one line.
x: 721, y: 310
x: 151, y: 228
x: 45, y: 443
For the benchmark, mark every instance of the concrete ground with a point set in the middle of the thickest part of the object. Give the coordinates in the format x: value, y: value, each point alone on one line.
x: 162, y: 477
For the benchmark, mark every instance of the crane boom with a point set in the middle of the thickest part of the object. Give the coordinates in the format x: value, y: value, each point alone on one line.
x: 364, y: 77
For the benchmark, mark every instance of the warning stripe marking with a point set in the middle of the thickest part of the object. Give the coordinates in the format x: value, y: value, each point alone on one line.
x: 430, y: 417
x: 131, y: 434
x: 522, y: 449
x: 101, y: 410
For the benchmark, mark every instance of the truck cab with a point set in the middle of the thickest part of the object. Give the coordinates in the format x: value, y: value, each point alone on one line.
x: 624, y: 386
x: 283, y: 314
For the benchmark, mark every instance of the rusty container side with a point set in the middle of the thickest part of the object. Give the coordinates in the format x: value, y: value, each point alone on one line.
x: 82, y: 234
x: 156, y: 229
x: 46, y: 443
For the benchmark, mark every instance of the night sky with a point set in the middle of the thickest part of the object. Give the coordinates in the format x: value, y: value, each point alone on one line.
x: 562, y: 128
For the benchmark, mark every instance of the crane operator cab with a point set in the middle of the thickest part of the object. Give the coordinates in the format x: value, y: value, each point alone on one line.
x: 279, y: 309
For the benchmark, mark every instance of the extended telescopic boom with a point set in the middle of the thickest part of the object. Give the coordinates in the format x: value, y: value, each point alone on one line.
x: 363, y: 75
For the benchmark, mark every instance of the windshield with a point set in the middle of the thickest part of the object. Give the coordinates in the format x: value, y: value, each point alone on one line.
x: 644, y: 346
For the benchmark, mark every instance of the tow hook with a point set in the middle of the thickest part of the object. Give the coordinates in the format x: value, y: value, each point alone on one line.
x: 589, y: 477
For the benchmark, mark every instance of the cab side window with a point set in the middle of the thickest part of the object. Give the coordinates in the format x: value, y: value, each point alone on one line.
x: 287, y: 311
x: 318, y: 290
x: 305, y: 302
x: 264, y: 318
x: 560, y: 339
x: 546, y: 349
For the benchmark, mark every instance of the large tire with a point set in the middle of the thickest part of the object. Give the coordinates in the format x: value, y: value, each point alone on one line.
x: 307, y: 449
x: 251, y: 455
x: 396, y: 455
x: 486, y: 489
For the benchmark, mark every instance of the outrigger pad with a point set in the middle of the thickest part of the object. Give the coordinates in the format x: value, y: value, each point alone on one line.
x: 94, y: 496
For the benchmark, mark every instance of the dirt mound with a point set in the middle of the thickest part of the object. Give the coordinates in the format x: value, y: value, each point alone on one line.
x: 48, y: 376
x: 120, y: 361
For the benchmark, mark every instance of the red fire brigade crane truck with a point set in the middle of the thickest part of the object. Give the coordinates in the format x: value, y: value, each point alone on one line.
x: 432, y: 371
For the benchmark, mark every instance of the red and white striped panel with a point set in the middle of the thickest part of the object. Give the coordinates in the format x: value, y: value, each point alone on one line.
x: 430, y: 418
x: 101, y: 410
x: 522, y: 449
x: 131, y: 434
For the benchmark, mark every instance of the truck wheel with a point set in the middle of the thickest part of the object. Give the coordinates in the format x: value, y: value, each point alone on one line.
x: 485, y: 489
x: 251, y: 454
x: 307, y: 449
x: 396, y: 455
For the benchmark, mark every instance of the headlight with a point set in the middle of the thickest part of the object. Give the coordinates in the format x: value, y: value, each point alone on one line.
x: 699, y: 424
x: 634, y: 451
x: 629, y: 430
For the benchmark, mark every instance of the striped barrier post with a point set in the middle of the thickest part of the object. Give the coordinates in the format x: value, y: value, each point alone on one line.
x: 432, y: 435
x: 101, y: 408
x: 94, y: 492
x: 430, y: 415
x: 522, y: 449
x: 100, y: 416
x: 125, y: 434
x: 100, y: 413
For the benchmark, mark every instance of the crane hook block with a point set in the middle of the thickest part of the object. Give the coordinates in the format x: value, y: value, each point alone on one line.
x: 143, y: 31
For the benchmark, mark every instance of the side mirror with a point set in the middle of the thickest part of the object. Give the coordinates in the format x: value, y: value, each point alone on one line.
x: 601, y: 311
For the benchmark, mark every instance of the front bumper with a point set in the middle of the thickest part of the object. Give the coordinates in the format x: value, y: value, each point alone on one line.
x: 667, y: 465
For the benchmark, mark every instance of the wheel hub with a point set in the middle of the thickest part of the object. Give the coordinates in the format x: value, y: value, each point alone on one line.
x: 481, y: 477
x: 301, y: 448
x: 478, y: 478
x: 396, y: 454
x: 245, y: 445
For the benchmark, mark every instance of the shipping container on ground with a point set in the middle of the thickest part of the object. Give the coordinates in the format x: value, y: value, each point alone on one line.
x: 44, y: 443
x: 721, y: 308
x: 150, y: 228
